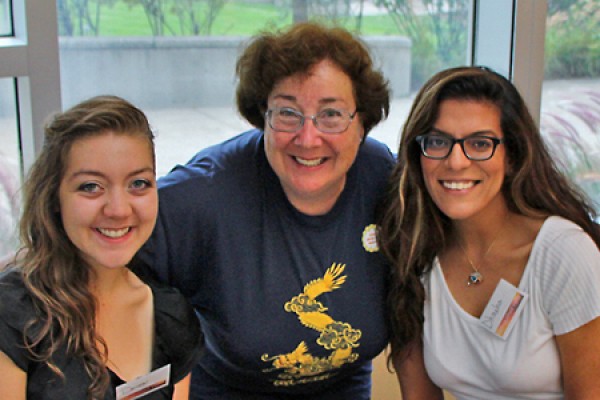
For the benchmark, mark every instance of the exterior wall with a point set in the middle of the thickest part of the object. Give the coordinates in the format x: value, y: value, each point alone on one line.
x: 160, y: 72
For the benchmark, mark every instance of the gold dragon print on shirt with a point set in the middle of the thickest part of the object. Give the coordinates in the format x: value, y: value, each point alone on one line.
x: 299, y: 366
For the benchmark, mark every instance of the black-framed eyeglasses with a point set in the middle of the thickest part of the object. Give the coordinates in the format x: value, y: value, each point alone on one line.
x: 328, y: 120
x: 438, y: 146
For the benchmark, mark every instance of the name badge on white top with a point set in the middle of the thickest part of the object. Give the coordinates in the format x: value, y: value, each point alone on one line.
x: 501, y: 312
x: 145, y: 384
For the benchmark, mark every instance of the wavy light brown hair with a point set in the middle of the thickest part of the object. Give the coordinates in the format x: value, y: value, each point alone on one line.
x: 271, y: 57
x: 413, y: 229
x: 53, y: 271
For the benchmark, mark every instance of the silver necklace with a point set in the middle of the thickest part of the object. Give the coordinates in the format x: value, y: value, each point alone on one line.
x: 475, y: 277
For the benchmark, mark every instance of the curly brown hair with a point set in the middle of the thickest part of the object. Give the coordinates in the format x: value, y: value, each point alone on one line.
x: 52, y: 269
x: 271, y: 57
x: 413, y: 229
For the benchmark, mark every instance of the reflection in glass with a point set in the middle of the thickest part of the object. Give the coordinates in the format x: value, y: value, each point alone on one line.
x: 190, y: 102
x: 5, y: 18
x: 570, y: 118
x: 10, y: 170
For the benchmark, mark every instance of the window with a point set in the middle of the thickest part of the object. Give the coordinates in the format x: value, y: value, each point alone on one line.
x: 10, y: 170
x: 570, y: 117
x: 10, y: 180
x: 5, y: 18
x: 29, y: 70
x: 189, y: 113
x: 178, y: 62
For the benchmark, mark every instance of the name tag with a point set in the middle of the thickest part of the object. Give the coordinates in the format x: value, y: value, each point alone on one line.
x: 145, y: 384
x: 501, y: 312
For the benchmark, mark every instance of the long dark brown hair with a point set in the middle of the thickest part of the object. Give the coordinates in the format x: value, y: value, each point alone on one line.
x: 413, y: 230
x: 52, y: 269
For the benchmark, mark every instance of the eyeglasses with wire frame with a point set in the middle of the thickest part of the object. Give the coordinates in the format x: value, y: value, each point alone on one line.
x: 437, y: 146
x: 328, y: 120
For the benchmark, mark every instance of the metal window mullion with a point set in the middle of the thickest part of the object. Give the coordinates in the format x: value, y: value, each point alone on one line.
x: 493, y: 34
x: 528, y: 52
x: 509, y: 37
x: 34, y: 61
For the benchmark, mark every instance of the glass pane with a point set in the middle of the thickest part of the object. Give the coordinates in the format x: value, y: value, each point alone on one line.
x: 570, y: 118
x: 177, y: 61
x: 10, y: 171
x: 5, y: 18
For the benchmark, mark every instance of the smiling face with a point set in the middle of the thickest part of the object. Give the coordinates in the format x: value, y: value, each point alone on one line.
x: 108, y: 197
x: 312, y: 165
x: 461, y: 188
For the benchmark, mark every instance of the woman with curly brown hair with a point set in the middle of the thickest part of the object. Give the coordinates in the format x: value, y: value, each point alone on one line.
x: 271, y: 234
x: 496, y: 270
x: 75, y: 322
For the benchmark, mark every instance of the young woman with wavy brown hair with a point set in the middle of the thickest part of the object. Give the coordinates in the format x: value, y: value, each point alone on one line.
x: 496, y: 269
x: 74, y: 321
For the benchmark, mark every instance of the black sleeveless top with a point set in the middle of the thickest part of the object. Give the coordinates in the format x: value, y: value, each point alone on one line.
x: 178, y: 341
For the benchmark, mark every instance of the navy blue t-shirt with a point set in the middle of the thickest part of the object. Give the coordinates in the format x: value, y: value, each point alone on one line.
x: 290, y: 304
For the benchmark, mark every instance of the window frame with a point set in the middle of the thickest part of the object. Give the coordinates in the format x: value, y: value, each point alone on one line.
x: 31, y: 56
x: 515, y: 45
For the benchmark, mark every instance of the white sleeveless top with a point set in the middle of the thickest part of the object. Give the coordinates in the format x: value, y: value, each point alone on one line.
x: 562, y: 279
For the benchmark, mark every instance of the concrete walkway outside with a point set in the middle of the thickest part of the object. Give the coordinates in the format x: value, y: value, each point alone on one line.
x: 181, y: 133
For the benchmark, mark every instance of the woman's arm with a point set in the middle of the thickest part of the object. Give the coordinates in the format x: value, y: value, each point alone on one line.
x: 182, y: 389
x: 415, y: 384
x: 13, y: 380
x: 580, y: 361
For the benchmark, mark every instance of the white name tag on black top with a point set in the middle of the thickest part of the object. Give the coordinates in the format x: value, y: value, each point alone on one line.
x: 145, y: 384
x: 501, y: 312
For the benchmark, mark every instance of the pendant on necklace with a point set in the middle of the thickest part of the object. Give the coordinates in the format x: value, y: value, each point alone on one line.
x: 474, y: 278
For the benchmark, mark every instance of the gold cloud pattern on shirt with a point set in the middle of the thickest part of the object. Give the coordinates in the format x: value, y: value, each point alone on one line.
x: 299, y: 366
